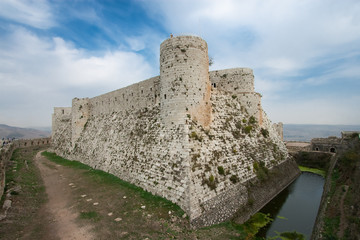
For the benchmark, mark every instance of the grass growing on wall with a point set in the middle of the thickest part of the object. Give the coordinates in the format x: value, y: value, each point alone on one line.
x: 312, y: 170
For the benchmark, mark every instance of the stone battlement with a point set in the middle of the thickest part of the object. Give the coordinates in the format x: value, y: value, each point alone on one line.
x: 188, y: 135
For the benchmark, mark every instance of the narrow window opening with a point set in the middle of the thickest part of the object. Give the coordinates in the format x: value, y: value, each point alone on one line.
x: 164, y: 96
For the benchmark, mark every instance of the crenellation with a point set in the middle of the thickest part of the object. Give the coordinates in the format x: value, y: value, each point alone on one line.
x: 188, y: 135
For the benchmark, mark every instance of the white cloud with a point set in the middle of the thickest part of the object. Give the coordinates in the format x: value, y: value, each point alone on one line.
x: 49, y: 72
x: 295, y: 32
x: 35, y: 13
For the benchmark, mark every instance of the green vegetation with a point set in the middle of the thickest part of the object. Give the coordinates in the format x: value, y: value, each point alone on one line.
x: 247, y: 230
x: 312, y: 170
x: 221, y: 170
x: 90, y: 215
x: 234, y: 179
x: 255, y: 223
x: 248, y: 129
x: 261, y: 170
x: 264, y: 132
x: 195, y: 136
x: 252, y: 120
x: 331, y: 226
x: 62, y: 161
x: 210, y: 182
x: 28, y: 195
x: 344, y: 194
x: 109, y: 179
x: 154, y: 222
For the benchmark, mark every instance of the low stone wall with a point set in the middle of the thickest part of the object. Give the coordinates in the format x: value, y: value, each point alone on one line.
x: 313, y: 159
x: 298, y: 146
x: 32, y: 142
x: 7, y: 151
x: 5, y: 155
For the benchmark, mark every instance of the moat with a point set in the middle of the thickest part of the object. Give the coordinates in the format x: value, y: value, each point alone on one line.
x: 296, y: 207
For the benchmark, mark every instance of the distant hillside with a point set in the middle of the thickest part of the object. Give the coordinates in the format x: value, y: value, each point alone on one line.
x: 25, y: 133
x: 306, y: 132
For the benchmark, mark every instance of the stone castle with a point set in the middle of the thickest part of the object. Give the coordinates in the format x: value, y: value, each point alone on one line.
x: 189, y: 135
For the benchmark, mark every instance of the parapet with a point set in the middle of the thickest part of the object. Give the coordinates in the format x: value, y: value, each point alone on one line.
x: 62, y: 112
x: 234, y: 80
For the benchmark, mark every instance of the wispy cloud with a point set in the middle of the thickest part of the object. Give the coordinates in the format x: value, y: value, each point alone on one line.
x: 34, y: 13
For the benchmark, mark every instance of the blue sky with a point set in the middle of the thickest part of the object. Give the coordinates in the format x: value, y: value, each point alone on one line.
x: 305, y: 54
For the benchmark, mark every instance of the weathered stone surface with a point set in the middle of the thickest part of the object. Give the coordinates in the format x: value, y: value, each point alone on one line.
x: 188, y: 135
x: 7, y: 204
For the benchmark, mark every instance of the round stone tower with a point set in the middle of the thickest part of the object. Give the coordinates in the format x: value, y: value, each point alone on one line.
x: 184, y: 80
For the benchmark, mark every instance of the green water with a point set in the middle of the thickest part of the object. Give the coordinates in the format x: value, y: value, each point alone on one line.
x: 296, y: 207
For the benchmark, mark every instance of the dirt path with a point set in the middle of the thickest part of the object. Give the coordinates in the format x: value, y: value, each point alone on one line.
x: 59, y: 201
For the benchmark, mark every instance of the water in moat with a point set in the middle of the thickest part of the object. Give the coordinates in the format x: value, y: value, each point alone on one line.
x: 296, y: 207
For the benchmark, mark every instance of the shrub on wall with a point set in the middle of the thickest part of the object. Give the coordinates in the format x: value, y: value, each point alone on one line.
x: 264, y: 132
x: 221, y: 170
x: 252, y: 120
x: 248, y: 129
x: 234, y: 179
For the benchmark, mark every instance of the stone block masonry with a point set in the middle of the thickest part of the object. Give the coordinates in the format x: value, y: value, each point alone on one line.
x: 189, y: 135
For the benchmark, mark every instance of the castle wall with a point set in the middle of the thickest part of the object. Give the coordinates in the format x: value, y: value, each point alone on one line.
x: 235, y: 80
x: 61, y: 134
x: 80, y: 112
x: 330, y: 144
x: 137, y: 96
x: 136, y: 147
x: 176, y: 136
x: 60, y: 114
x: 229, y: 146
